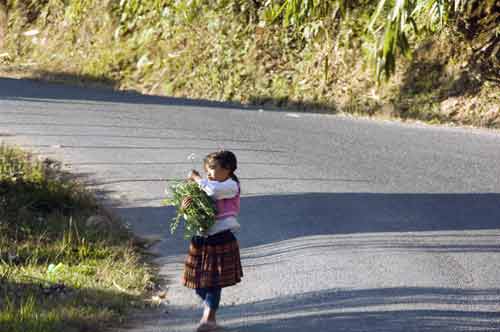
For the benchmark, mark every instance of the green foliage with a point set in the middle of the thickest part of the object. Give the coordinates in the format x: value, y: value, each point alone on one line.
x: 31, y: 188
x: 298, y: 12
x: 22, y: 315
x: 393, y: 26
x: 300, y: 54
x: 199, y: 216
x: 47, y: 243
x: 13, y: 166
x: 403, y: 17
x: 133, y: 14
x: 69, y: 310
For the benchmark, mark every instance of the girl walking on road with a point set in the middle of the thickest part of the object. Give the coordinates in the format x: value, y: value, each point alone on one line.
x: 213, y: 261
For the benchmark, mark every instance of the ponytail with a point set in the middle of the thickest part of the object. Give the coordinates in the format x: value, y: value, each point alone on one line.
x: 235, y: 178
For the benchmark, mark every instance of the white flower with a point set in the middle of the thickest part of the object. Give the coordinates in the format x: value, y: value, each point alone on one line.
x: 144, y: 61
x: 191, y: 157
x: 30, y: 33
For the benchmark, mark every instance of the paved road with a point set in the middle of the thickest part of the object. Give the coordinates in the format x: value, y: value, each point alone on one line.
x: 348, y: 224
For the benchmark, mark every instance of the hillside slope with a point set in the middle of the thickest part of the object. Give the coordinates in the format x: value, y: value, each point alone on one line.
x: 231, y: 51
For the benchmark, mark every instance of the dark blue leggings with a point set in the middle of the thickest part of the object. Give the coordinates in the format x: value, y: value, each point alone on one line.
x: 210, y: 296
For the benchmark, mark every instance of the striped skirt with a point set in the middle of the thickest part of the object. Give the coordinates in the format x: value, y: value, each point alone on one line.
x: 213, y: 261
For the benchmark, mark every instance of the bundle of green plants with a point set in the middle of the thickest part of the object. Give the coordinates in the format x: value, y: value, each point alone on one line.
x: 199, y: 216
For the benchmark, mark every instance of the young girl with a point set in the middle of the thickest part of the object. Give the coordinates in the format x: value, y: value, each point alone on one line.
x: 213, y: 261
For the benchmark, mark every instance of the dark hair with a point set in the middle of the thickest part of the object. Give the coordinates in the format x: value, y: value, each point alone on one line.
x: 225, y: 159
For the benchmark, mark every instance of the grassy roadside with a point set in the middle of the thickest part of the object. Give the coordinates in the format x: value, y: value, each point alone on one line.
x: 198, y: 49
x: 65, y: 263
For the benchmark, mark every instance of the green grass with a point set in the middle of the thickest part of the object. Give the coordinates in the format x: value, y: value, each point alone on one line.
x: 227, y: 51
x: 60, y: 270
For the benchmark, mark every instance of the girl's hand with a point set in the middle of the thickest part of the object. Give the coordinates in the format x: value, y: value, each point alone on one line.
x: 186, y: 203
x: 194, y: 175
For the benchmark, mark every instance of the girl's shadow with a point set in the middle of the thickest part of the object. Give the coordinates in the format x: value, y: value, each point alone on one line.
x: 274, y: 218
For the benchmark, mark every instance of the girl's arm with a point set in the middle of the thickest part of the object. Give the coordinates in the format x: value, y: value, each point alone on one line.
x: 219, y: 190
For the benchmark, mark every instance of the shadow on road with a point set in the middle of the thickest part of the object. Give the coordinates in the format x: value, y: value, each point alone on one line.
x: 31, y: 90
x: 371, y: 310
x: 275, y: 218
x: 397, y: 309
x: 82, y: 88
x: 300, y: 224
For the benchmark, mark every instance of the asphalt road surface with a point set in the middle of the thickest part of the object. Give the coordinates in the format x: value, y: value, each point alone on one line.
x: 347, y: 224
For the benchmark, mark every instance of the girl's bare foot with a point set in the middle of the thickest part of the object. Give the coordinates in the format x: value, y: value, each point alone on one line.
x: 207, y: 322
x: 207, y: 326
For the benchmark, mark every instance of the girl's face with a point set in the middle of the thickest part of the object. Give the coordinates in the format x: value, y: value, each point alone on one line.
x: 217, y: 173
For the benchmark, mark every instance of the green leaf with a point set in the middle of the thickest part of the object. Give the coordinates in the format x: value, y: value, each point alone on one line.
x: 199, y: 216
x: 376, y: 14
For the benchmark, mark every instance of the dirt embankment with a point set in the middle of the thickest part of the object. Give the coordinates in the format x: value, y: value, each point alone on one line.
x: 220, y: 54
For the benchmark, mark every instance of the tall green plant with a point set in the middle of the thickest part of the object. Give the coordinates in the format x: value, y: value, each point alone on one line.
x: 134, y: 13
x: 297, y: 12
x: 395, y: 20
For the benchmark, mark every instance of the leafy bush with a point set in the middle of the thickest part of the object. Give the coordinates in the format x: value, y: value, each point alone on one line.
x: 199, y: 216
x: 60, y: 269
x: 32, y: 190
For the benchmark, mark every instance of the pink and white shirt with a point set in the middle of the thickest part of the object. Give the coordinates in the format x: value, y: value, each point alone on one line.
x: 227, y: 200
